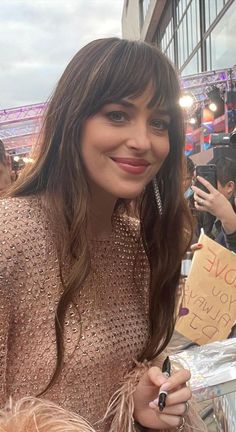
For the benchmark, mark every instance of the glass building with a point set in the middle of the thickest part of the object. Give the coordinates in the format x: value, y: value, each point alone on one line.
x: 197, y: 35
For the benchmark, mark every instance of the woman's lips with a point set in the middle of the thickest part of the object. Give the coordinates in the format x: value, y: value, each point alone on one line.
x: 132, y: 165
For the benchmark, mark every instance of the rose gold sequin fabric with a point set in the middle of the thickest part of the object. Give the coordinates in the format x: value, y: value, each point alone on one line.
x: 112, y: 306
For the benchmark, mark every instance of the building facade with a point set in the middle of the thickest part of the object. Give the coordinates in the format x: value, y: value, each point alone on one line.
x: 197, y: 35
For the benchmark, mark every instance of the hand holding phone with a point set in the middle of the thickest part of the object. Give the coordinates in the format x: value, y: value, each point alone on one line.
x: 208, y: 172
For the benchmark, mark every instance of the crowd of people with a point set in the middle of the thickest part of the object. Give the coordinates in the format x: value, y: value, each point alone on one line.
x: 213, y: 210
x: 93, y: 234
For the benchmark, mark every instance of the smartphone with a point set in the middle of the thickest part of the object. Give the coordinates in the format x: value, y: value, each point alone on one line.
x: 208, y: 172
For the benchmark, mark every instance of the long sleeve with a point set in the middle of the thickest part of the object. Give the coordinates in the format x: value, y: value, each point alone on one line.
x: 230, y: 240
x: 121, y: 406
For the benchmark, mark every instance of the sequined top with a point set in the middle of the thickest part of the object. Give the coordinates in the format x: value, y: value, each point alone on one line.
x: 112, y: 305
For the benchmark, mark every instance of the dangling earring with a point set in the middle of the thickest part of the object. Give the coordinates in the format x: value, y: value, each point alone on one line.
x: 157, y: 195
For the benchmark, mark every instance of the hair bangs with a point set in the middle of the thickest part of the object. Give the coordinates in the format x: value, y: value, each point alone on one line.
x: 130, y: 68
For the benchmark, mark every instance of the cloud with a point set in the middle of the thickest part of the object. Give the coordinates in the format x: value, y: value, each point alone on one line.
x: 37, y: 40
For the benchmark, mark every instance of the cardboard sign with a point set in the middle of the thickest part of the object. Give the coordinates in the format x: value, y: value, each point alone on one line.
x: 210, y: 294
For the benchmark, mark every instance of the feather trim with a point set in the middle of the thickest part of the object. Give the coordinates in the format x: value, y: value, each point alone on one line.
x: 121, y: 406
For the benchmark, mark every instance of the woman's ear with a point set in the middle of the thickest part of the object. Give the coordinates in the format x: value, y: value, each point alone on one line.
x: 230, y: 188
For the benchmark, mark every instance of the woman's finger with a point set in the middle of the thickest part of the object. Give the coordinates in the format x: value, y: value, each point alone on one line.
x: 205, y: 183
x: 180, y: 396
x: 171, y: 420
x: 177, y: 410
x: 173, y: 399
x: 196, y: 246
x: 155, y: 377
x: 178, y: 379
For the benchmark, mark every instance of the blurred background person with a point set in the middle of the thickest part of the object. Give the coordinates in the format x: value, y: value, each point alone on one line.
x: 218, y: 209
x: 5, y: 178
x: 188, y: 177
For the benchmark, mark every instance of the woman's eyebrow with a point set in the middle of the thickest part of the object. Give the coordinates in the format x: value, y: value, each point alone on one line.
x: 157, y: 110
x: 123, y: 102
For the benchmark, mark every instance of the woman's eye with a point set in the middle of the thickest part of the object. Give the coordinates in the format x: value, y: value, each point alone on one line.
x: 117, y: 116
x: 160, y: 124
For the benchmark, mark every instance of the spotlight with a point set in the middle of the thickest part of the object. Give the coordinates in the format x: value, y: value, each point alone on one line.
x: 213, y: 107
x: 16, y: 158
x: 192, y: 121
x: 27, y: 160
x: 216, y: 103
x: 186, y: 101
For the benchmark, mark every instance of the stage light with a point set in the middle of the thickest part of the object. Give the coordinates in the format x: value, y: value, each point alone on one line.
x: 213, y: 107
x: 215, y: 101
x: 27, y: 160
x: 16, y: 158
x: 186, y: 101
x: 192, y: 121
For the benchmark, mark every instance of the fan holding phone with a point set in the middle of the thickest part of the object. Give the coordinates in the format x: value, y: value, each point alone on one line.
x: 214, y: 193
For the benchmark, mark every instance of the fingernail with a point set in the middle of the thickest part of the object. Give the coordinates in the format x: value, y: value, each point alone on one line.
x: 165, y: 387
x: 154, y: 403
x: 199, y: 245
x: 161, y: 379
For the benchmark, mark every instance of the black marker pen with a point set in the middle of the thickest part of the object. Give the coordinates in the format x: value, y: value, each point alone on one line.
x: 163, y: 394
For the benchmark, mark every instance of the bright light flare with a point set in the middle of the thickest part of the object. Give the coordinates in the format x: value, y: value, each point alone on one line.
x: 186, y: 101
x: 213, y: 107
x: 27, y: 160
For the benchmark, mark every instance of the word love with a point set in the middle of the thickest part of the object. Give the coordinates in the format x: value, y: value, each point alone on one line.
x: 210, y: 294
x: 219, y: 269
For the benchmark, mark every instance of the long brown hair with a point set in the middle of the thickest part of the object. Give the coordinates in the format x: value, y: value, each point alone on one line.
x: 103, y: 71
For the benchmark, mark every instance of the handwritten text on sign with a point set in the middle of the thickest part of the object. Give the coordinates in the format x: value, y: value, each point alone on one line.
x: 210, y: 294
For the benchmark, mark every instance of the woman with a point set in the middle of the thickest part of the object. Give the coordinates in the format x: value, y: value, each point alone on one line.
x: 217, y: 206
x: 85, y: 289
x: 5, y: 179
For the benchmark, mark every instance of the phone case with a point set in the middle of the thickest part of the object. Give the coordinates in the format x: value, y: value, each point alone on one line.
x: 209, y: 173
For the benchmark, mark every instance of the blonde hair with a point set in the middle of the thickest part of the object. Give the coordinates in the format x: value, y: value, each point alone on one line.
x: 37, y: 415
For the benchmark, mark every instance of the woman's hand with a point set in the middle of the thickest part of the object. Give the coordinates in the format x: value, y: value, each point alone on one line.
x: 146, y: 411
x: 215, y: 203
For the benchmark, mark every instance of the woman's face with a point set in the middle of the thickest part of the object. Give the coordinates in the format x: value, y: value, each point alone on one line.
x: 124, y: 145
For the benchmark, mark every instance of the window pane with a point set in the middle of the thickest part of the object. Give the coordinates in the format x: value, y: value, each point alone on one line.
x: 194, y: 23
x: 212, y: 9
x: 219, y: 5
x: 145, y: 5
x: 192, y: 66
x: 208, y: 52
x: 207, y: 14
x: 180, y: 45
x: 185, y: 36
x: 190, y: 30
x: 223, y: 39
x: 198, y: 20
x: 172, y: 51
x: 199, y: 61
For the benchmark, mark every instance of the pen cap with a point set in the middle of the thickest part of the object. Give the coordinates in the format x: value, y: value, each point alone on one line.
x: 166, y: 367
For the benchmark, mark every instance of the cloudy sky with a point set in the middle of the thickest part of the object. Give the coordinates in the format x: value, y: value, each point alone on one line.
x: 39, y: 37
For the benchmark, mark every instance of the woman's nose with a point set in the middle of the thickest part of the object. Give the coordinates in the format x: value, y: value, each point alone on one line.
x: 139, y: 138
